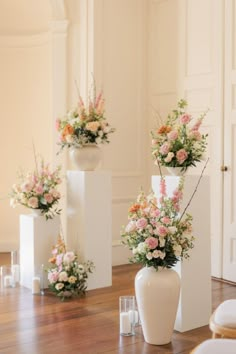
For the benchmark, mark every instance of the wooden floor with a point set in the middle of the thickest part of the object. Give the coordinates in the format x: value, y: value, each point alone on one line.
x: 43, y: 324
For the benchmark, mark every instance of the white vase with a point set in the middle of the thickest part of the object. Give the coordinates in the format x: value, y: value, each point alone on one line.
x: 157, y: 295
x: 175, y: 171
x: 86, y: 158
x: 36, y: 212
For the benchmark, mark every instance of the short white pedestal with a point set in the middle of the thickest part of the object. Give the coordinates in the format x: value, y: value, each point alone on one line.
x: 195, y: 298
x: 37, y: 237
x: 89, y: 222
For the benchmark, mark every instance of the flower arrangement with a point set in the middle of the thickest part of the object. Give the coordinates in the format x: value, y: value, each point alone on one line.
x: 157, y: 235
x: 84, y: 125
x: 178, y: 143
x: 67, y: 276
x: 38, y: 190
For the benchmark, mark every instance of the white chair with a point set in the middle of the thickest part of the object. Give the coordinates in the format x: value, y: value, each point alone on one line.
x: 223, y: 320
x: 216, y: 346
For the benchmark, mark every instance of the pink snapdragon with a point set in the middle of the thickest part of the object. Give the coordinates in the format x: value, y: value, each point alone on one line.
x: 163, y: 187
x: 197, y: 125
x: 185, y: 118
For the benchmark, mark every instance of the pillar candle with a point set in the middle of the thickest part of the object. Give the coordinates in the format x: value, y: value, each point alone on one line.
x: 36, y: 285
x: 8, y: 281
x: 125, y: 325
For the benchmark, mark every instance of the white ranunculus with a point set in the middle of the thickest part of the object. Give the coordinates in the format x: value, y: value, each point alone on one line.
x: 142, y: 247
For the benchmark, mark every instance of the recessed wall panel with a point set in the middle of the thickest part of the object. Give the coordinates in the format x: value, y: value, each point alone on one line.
x: 199, y: 33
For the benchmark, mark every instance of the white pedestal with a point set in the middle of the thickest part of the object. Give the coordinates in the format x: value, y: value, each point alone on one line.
x: 195, y: 305
x: 37, y: 237
x: 89, y: 222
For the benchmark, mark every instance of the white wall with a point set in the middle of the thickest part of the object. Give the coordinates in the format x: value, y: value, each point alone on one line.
x: 26, y: 107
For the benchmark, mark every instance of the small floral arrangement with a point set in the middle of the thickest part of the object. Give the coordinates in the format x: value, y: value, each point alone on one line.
x: 84, y: 125
x: 157, y: 235
x: 178, y: 143
x: 38, y: 190
x: 67, y: 276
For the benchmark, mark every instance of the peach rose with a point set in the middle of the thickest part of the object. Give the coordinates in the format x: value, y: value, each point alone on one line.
x: 68, y: 130
x: 92, y: 126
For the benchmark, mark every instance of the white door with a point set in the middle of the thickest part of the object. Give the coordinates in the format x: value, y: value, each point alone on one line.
x: 229, y: 229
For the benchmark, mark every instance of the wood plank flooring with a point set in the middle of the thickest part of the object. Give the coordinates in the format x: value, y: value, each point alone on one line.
x: 33, y: 324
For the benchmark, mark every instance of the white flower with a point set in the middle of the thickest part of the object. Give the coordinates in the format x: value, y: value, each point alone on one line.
x: 59, y: 286
x: 131, y: 226
x: 13, y: 202
x: 149, y: 256
x: 142, y: 247
x: 162, y: 241
x: 63, y: 276
x: 69, y: 139
x: 177, y: 250
x: 172, y: 229
x: 98, y: 140
x: 69, y: 257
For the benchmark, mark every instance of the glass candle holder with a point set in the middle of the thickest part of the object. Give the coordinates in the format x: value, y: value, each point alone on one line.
x: 7, y: 277
x: 128, y: 315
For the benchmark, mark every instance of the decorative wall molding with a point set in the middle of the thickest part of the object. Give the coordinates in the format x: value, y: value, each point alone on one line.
x: 58, y: 10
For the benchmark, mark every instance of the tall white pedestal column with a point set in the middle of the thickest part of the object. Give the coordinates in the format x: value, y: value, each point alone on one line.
x: 89, y: 222
x: 37, y: 237
x: 195, y: 305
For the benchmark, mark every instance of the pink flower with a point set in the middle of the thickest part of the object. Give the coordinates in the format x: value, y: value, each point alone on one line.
x: 163, y: 187
x: 39, y: 189
x: 154, y: 141
x: 141, y: 223
x: 27, y: 187
x: 48, y: 197
x: 155, y: 213
x: 197, y: 124
x: 57, y: 124
x: 53, y: 276
x: 185, y: 119
x: 181, y: 155
x: 173, y: 135
x: 59, y: 259
x: 152, y: 242
x: 164, y: 148
x: 33, y: 202
x: 195, y: 135
x: 166, y: 220
x: 162, y: 231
